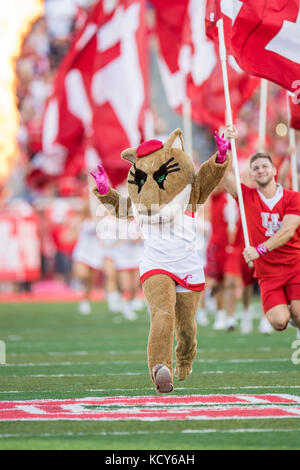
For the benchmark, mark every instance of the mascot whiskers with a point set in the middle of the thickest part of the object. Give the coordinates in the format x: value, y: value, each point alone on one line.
x: 164, y: 194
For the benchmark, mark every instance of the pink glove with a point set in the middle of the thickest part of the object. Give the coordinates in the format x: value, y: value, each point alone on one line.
x: 101, y: 180
x: 223, y: 145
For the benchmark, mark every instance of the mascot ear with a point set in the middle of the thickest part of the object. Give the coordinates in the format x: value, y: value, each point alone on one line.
x: 175, y: 135
x: 129, y: 155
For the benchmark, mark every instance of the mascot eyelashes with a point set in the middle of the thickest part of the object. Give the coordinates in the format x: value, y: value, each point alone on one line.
x: 164, y: 194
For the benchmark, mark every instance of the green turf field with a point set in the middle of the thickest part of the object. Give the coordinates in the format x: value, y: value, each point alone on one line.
x: 52, y: 352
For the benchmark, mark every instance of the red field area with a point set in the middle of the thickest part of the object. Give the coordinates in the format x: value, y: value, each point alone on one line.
x: 197, y: 407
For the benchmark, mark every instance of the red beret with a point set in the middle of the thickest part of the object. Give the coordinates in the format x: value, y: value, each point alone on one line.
x: 148, y: 147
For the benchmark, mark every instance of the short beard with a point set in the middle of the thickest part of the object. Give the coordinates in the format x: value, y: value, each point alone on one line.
x: 264, y: 185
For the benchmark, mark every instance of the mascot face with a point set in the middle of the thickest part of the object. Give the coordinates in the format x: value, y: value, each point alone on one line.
x: 160, y: 180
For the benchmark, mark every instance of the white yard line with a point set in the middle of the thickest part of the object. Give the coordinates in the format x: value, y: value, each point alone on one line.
x: 244, y: 430
x: 78, y: 375
x: 200, y: 361
x: 131, y: 433
x: 144, y: 372
x: 114, y: 352
x: 48, y: 364
x: 107, y: 390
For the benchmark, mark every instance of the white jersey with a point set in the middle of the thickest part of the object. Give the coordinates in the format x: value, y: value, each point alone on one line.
x: 171, y: 249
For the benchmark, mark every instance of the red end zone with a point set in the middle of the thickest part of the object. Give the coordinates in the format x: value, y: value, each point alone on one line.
x: 199, y: 407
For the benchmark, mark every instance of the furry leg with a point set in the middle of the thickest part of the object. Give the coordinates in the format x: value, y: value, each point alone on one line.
x: 160, y: 294
x: 186, y: 331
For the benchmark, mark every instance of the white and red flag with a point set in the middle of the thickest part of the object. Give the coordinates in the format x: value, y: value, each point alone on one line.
x: 68, y: 115
x: 100, y: 91
x: 119, y: 87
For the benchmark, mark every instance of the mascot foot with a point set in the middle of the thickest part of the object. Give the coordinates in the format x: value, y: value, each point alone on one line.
x: 162, y: 378
x: 182, y: 372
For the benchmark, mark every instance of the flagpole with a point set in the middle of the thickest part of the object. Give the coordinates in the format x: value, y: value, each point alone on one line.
x: 292, y: 144
x: 263, y: 115
x: 223, y: 57
x: 187, y: 127
x: 149, y: 129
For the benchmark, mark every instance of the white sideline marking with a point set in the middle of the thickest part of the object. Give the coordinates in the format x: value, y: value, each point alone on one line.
x: 225, y: 431
x: 257, y: 387
x: 79, y: 375
x: 48, y: 364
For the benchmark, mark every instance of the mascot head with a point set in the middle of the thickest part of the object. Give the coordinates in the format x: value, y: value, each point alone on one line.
x: 160, y: 179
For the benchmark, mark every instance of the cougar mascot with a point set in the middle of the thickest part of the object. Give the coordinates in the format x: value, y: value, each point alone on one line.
x: 164, y: 195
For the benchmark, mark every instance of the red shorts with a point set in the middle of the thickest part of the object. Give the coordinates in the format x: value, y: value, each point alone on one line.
x: 247, y: 273
x: 279, y: 290
x: 232, y: 265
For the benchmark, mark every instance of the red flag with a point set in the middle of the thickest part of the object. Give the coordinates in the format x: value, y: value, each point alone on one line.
x: 266, y: 40
x: 216, y: 10
x: 208, y: 101
x: 212, y: 15
x: 207, y: 92
x: 227, y: 10
x: 170, y: 17
x: 198, y: 74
